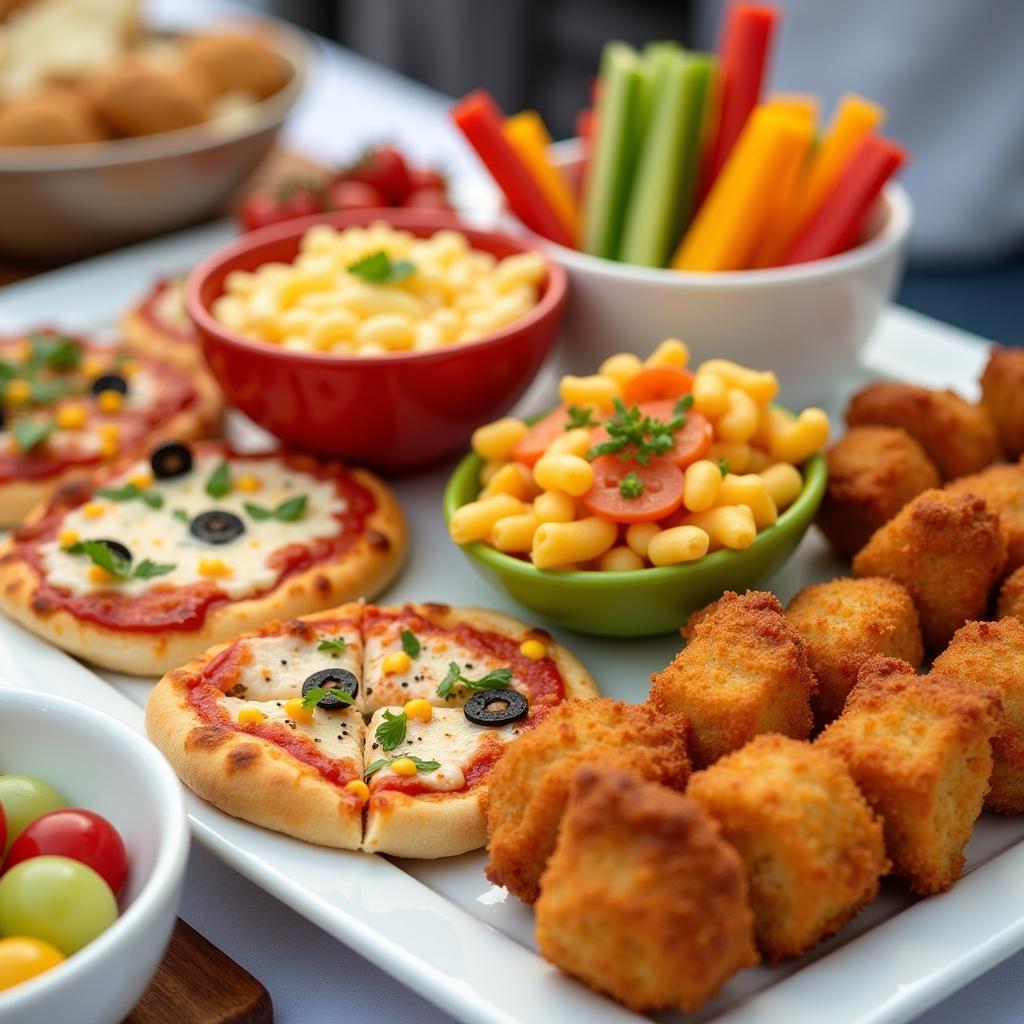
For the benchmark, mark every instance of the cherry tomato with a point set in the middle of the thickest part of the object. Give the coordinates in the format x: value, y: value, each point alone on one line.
x: 427, y: 199
x: 658, y: 489
x: 22, y: 958
x: 540, y: 435
x: 693, y: 440
x: 259, y: 210
x: 385, y: 169
x: 300, y: 201
x: 24, y: 799
x: 292, y: 199
x: 80, y: 835
x: 657, y: 382
x: 354, y: 195
x: 426, y: 177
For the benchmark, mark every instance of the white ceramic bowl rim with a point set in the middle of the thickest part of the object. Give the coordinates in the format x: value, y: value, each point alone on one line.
x: 263, y: 114
x: 170, y: 861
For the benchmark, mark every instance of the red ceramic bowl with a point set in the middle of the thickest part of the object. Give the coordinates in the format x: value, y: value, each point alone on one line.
x: 395, y: 412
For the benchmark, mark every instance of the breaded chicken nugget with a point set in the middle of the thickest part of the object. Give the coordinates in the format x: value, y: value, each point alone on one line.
x: 958, y: 437
x: 872, y: 473
x: 846, y: 622
x: 812, y: 847
x: 52, y: 118
x: 1011, y: 596
x: 642, y: 899
x: 948, y: 550
x: 528, y: 787
x: 237, y: 62
x: 139, y: 99
x: 991, y: 655
x: 919, y: 748
x: 743, y: 672
x: 1003, y: 488
x: 1002, y: 385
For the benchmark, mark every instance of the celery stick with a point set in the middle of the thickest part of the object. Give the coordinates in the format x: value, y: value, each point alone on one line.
x: 700, y: 69
x: 615, y: 147
x: 657, y: 58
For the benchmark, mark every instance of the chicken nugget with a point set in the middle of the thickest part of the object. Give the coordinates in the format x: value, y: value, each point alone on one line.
x: 237, y: 62
x: 846, y: 622
x: 743, y: 672
x: 51, y: 118
x: 919, y: 747
x: 991, y: 655
x: 1011, y: 596
x: 812, y: 846
x: 141, y: 99
x: 528, y: 787
x: 872, y: 473
x: 1003, y: 488
x: 957, y: 436
x: 1002, y: 385
x: 948, y: 550
x: 642, y: 899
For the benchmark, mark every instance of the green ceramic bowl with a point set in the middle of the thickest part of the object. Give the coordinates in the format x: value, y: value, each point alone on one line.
x: 643, y: 602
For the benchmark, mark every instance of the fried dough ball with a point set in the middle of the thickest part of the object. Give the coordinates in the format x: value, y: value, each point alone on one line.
x: 957, y: 436
x: 1002, y: 385
x: 642, y: 899
x: 1011, y: 596
x: 1003, y: 488
x: 812, y: 846
x: 872, y: 473
x: 948, y: 550
x: 846, y: 622
x: 919, y: 748
x: 53, y: 118
x: 140, y: 99
x: 991, y: 655
x: 528, y: 787
x: 743, y: 672
x: 237, y: 62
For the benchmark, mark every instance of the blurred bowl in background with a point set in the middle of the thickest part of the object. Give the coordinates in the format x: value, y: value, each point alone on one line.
x: 65, y: 202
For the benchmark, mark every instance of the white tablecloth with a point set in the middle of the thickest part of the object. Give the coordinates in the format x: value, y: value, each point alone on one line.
x: 311, y: 977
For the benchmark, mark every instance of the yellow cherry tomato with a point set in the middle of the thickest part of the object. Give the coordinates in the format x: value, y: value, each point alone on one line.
x: 22, y: 958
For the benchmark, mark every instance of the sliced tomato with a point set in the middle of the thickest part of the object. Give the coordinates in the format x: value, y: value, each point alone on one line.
x: 693, y: 441
x: 541, y: 434
x: 657, y: 382
x: 662, y: 489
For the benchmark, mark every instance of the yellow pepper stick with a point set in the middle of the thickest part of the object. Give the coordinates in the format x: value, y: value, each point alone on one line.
x: 730, y: 222
x: 854, y: 118
x: 800, y: 103
x: 526, y: 134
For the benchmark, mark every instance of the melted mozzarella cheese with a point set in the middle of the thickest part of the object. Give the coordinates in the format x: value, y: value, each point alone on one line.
x: 157, y: 535
x: 169, y: 307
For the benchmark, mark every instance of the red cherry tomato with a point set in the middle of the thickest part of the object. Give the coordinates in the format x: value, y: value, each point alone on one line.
x: 260, y: 209
x: 426, y: 177
x: 354, y: 195
x: 80, y: 835
x: 657, y: 489
x: 693, y: 440
x: 540, y: 435
x: 427, y: 199
x: 300, y: 201
x: 385, y: 169
x: 657, y: 382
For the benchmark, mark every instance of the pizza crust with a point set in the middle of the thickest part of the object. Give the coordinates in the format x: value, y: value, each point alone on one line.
x: 364, y: 570
x: 142, y: 337
x: 427, y: 826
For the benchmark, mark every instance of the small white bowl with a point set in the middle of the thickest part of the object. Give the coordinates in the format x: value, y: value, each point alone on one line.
x: 103, y: 766
x: 807, y: 322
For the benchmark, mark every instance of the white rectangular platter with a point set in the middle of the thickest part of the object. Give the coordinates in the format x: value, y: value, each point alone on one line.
x: 439, y: 926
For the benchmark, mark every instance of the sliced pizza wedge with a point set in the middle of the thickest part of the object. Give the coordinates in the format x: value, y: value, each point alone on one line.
x: 159, y: 327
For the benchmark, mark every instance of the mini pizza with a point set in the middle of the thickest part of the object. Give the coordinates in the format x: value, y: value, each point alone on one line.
x: 286, y: 727
x: 67, y: 407
x: 163, y: 556
x: 159, y: 327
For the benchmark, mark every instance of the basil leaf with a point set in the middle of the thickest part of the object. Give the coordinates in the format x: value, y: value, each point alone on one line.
x: 315, y: 694
x: 378, y: 268
x: 100, y: 553
x: 386, y: 762
x: 336, y: 644
x: 410, y: 643
x: 220, y: 481
x: 723, y: 466
x: 450, y: 679
x: 290, y: 510
x: 375, y: 766
x: 424, y: 766
x: 181, y: 514
x: 391, y: 732
x: 54, y: 352
x: 42, y: 391
x: 496, y: 680
x: 30, y: 433
x: 146, y: 569
x: 258, y: 512
x: 130, y: 491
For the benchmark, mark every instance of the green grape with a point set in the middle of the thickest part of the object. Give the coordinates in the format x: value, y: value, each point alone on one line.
x: 58, y: 900
x: 24, y: 799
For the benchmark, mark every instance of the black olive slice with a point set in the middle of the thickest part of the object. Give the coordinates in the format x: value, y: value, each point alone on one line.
x: 511, y: 706
x: 170, y: 460
x: 110, y: 382
x: 216, y: 526
x: 116, y: 547
x: 332, y: 679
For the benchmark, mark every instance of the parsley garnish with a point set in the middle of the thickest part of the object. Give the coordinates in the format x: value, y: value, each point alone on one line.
x: 580, y: 416
x: 496, y: 680
x: 723, y: 466
x: 220, y: 481
x: 287, y: 512
x: 181, y: 514
x: 379, y: 268
x: 683, y: 406
x: 384, y: 762
x: 391, y: 732
x: 130, y: 491
x: 29, y: 433
x: 53, y: 352
x: 631, y: 486
x: 102, y: 554
x: 410, y: 643
x: 315, y: 694
x: 335, y: 644
x: 632, y: 435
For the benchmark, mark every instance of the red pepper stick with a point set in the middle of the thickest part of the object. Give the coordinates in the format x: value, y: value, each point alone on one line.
x: 840, y: 218
x: 481, y: 121
x: 742, y: 57
x: 585, y: 122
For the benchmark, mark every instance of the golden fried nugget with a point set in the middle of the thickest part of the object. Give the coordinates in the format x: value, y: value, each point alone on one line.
x: 1003, y: 488
x: 140, y: 99
x: 872, y: 473
x: 743, y: 672
x: 528, y: 787
x: 1011, y: 596
x: 919, y: 748
x: 991, y: 655
x: 948, y: 550
x: 51, y: 118
x: 846, y: 622
x: 812, y: 847
x: 958, y: 437
x: 1002, y: 385
x: 237, y: 62
x: 642, y: 899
